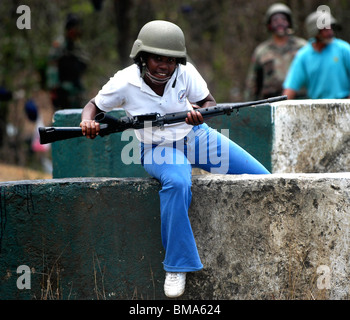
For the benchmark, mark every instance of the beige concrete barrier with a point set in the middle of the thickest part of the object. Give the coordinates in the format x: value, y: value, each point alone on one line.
x: 282, y: 236
x: 311, y: 136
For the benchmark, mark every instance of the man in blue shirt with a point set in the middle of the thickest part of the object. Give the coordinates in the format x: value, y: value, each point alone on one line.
x: 323, y: 65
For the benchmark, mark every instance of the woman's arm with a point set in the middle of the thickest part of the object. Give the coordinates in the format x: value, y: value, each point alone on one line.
x: 194, y: 117
x: 89, y: 126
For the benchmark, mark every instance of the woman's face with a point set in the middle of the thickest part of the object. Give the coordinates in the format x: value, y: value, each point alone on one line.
x: 161, y: 67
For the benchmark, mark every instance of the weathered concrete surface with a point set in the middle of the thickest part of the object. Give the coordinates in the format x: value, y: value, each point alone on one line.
x: 87, y: 238
x: 260, y: 237
x: 311, y: 136
x: 264, y: 237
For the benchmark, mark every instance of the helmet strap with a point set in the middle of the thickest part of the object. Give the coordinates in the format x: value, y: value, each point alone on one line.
x: 154, y: 79
x: 177, y: 71
x: 143, y: 67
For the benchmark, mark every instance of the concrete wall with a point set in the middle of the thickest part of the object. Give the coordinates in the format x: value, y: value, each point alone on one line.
x: 103, y: 157
x: 281, y: 236
x: 310, y: 136
x: 260, y: 237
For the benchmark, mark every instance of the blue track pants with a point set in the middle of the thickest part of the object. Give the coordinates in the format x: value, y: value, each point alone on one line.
x: 172, y: 164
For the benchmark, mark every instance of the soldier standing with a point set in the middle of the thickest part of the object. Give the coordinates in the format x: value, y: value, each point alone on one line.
x: 67, y: 64
x: 272, y: 58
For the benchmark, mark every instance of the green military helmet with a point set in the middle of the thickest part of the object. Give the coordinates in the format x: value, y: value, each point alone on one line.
x: 162, y: 38
x: 279, y: 8
x: 318, y: 20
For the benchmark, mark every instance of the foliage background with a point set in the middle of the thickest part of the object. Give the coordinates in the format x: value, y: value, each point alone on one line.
x: 220, y: 37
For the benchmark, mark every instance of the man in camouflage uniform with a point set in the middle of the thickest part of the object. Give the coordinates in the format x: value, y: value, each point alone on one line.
x: 272, y: 58
x: 67, y: 64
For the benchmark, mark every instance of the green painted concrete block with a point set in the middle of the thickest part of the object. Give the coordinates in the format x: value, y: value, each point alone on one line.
x: 88, y: 238
x: 251, y: 128
x: 101, y: 157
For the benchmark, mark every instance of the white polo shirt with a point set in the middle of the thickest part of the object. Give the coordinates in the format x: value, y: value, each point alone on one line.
x: 127, y: 90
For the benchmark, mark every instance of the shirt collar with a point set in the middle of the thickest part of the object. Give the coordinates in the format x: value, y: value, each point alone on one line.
x: 135, y: 77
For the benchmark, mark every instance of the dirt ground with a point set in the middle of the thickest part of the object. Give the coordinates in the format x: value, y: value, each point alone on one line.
x: 16, y: 162
x: 15, y: 173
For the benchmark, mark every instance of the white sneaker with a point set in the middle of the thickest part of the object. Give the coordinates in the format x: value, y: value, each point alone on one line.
x: 174, y: 285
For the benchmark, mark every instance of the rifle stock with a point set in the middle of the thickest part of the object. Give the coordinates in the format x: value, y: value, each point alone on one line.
x: 109, y: 124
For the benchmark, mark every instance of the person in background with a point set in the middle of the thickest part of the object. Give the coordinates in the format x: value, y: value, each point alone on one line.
x: 40, y: 151
x: 67, y: 64
x: 272, y: 58
x: 5, y: 97
x: 323, y: 65
x: 161, y: 80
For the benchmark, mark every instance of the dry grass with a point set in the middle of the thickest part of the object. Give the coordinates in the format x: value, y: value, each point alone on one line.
x: 15, y: 173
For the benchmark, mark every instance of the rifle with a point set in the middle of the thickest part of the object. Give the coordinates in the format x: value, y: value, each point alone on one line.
x: 109, y: 124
